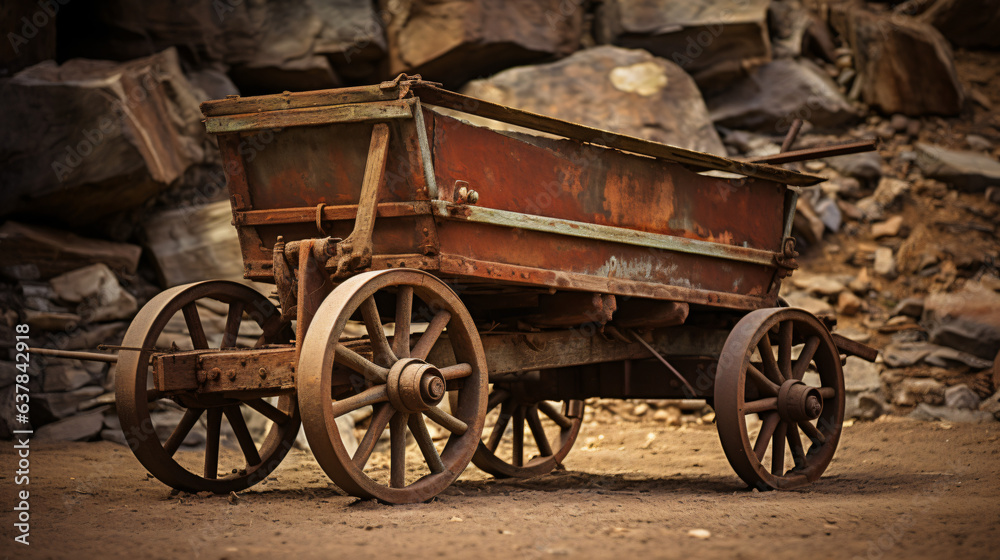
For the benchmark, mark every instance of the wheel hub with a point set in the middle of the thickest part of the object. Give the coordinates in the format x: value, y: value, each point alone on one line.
x: 415, y: 386
x: 799, y: 402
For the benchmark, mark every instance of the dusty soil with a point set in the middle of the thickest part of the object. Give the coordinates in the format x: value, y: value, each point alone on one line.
x: 896, y: 489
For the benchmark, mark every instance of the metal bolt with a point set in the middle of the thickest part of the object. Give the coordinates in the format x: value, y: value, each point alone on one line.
x: 214, y: 373
x: 262, y: 372
x: 473, y: 197
x: 232, y: 374
x: 201, y: 376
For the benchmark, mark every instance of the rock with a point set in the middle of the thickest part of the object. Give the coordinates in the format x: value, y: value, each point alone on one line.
x: 79, y: 427
x: 965, y: 23
x: 899, y: 122
x: 996, y: 371
x: 39, y: 253
x: 911, y: 307
x: 48, y: 407
x: 861, y: 283
x: 960, y: 396
x: 866, y: 166
x: 945, y: 357
x: 905, y: 66
x: 918, y: 390
x: 849, y: 304
x: 352, y: 38
x: 888, y: 192
x: 930, y: 413
x: 829, y: 213
x: 777, y: 94
x: 670, y: 415
x: 628, y: 91
x: 640, y: 409
x: 8, y: 414
x: 864, y: 406
x: 991, y: 405
x: 818, y: 284
x: 860, y: 376
x: 715, y: 41
x: 51, y: 321
x: 211, y: 82
x: 855, y: 334
x: 807, y: 223
x: 968, y: 320
x: 813, y: 305
x: 189, y: 244
x: 888, y: 228
x: 8, y: 373
x: 905, y: 354
x: 978, y: 143
x: 97, y: 289
x: 453, y: 41
x: 965, y: 170
x: 885, y: 262
x: 30, y: 30
x: 116, y: 135
x: 64, y: 375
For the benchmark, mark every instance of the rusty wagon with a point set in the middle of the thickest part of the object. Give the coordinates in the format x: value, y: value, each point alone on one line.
x: 466, y: 283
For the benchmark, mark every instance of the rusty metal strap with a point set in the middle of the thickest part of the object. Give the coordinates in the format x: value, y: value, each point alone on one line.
x: 470, y: 105
x: 505, y: 218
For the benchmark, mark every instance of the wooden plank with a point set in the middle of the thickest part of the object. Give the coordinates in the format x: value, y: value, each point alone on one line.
x: 443, y: 98
x: 298, y: 100
x: 307, y: 214
x: 361, y: 112
x: 226, y: 370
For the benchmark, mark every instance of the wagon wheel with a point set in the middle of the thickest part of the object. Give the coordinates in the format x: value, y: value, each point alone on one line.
x: 754, y: 379
x: 402, y: 386
x: 133, y: 395
x: 553, y: 430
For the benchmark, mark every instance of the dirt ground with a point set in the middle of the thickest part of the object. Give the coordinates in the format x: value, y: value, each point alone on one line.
x: 896, y: 489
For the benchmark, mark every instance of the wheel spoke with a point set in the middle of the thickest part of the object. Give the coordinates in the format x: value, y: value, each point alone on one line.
x: 497, y: 397
x: 267, y: 409
x: 518, y: 451
x: 447, y: 421
x: 761, y: 381
x: 767, y: 357
x: 212, y: 443
x: 806, y: 356
x: 456, y: 371
x: 419, y: 430
x: 785, y: 349
x: 154, y: 395
x: 761, y: 405
x: 242, y: 433
x: 401, y: 336
x: 356, y: 362
x: 430, y: 336
x: 373, y: 323
x: 377, y: 425
x: 778, y: 450
x: 538, y: 432
x: 233, y: 320
x: 812, y: 432
x: 397, y: 450
x: 195, y: 328
x: 827, y: 392
x: 500, y: 427
x: 369, y: 396
x: 556, y: 416
x: 795, y: 445
x: 764, y: 436
x: 182, y: 429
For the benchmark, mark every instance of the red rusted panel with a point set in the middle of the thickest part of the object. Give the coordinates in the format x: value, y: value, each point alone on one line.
x: 569, y: 180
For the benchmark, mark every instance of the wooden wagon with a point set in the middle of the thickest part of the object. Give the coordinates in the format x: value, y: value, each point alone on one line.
x: 466, y: 283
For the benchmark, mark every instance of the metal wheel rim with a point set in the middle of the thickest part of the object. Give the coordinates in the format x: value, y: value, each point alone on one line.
x: 731, y: 406
x: 314, y: 386
x: 131, y: 398
x: 487, y: 459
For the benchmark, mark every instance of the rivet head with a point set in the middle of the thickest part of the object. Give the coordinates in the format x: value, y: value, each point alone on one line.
x: 232, y: 374
x: 214, y: 373
x: 262, y: 372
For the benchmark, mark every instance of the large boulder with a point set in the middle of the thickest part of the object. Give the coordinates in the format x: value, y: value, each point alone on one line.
x: 30, y: 32
x: 905, y: 66
x: 963, y: 169
x: 777, y: 94
x: 713, y: 40
x: 626, y: 91
x: 452, y: 41
x: 271, y: 45
x: 967, y: 23
x: 114, y: 135
x: 968, y: 320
